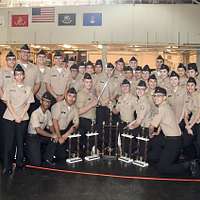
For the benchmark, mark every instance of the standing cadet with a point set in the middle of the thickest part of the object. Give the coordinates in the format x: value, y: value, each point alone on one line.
x: 107, y: 89
x: 6, y: 78
x: 143, y: 110
x: 133, y: 63
x: 126, y: 104
x: 192, y: 71
x: 181, y: 70
x: 146, y: 71
x: 98, y: 67
x: 74, y: 80
x: 56, y: 78
x: 18, y: 98
x: 43, y: 70
x: 39, y: 137
x: 119, y: 70
x: 128, y: 74
x: 65, y: 121
x: 165, y: 154
x: 32, y: 74
x: 163, y: 79
x: 86, y: 103
x: 152, y: 84
x: 177, y: 97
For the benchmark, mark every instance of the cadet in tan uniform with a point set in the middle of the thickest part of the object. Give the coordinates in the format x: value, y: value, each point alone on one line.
x: 98, y: 67
x: 74, y: 80
x: 126, y: 104
x: 65, y: 120
x: 89, y: 68
x: 163, y: 80
x: 159, y: 62
x: 6, y: 78
x: 32, y: 74
x: 43, y: 70
x: 133, y: 63
x: 38, y: 134
x: 143, y: 111
x: 128, y: 74
x: 57, y: 78
x: 81, y: 69
x: 177, y: 97
x: 169, y: 150
x: 18, y: 98
x: 191, y: 135
x: 119, y: 70
x: 181, y: 70
x: 192, y: 71
x: 138, y: 74
x: 152, y: 84
x: 86, y: 103
x: 107, y: 98
x: 146, y: 71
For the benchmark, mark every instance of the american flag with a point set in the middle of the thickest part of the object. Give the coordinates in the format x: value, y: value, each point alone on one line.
x: 43, y: 14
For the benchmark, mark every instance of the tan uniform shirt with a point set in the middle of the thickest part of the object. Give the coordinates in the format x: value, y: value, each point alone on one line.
x: 75, y: 83
x: 183, y: 81
x: 192, y: 104
x: 177, y: 101
x: 126, y: 105
x: 18, y: 97
x: 166, y: 119
x: 6, y: 77
x: 84, y: 98
x: 110, y: 92
x: 143, y: 111
x: 32, y: 74
x: 43, y: 72
x: 64, y: 113
x: 165, y: 83
x: 57, y: 77
x: 39, y: 119
x: 154, y: 108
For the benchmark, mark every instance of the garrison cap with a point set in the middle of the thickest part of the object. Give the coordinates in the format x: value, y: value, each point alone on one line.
x: 163, y: 66
x: 19, y: 68
x: 181, y: 65
x: 174, y: 74
x: 192, y: 66
x: 160, y: 91
x: 125, y: 81
x: 142, y: 84
x: 10, y: 54
x: 25, y: 47
x: 192, y: 80
x: 87, y: 76
x: 47, y: 96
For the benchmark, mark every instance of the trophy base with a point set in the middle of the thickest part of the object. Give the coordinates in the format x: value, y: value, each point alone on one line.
x: 125, y: 159
x: 140, y: 163
x: 91, y: 158
x: 74, y: 160
x: 109, y: 157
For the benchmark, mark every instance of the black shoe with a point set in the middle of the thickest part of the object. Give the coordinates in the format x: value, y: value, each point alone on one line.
x: 7, y: 172
x: 49, y: 163
x: 195, y: 168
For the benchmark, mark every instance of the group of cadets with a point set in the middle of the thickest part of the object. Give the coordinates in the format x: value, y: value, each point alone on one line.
x: 41, y: 106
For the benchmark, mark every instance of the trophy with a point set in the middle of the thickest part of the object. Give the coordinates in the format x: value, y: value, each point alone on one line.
x: 142, y: 143
x: 75, y: 157
x: 92, y: 155
x: 126, y: 156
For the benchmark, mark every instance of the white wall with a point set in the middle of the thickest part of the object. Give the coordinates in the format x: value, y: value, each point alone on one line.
x: 152, y: 24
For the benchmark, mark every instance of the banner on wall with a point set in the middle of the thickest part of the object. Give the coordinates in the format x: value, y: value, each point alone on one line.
x: 92, y: 19
x: 68, y: 19
x: 43, y: 14
x: 19, y: 21
x: 2, y: 22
